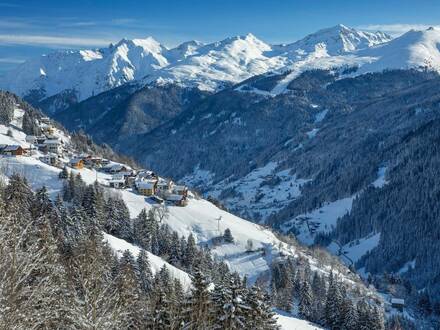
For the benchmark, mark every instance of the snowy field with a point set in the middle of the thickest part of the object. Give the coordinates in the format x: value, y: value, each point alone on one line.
x: 322, y: 219
x: 264, y: 190
x: 292, y: 323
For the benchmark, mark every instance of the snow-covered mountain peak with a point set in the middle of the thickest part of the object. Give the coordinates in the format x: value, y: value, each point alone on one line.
x: 339, y: 39
x: 414, y: 49
x: 183, y: 50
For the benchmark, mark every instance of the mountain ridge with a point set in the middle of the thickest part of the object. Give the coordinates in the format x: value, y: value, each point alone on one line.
x: 206, y: 66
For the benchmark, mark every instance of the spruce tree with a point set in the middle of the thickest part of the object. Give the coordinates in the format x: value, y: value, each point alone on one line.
x: 199, y: 303
x: 306, y: 301
x: 145, y: 275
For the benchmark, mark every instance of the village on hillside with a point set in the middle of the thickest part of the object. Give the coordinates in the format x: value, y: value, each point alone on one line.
x: 53, y: 148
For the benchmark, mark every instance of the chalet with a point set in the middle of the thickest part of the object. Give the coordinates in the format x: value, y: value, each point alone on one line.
x: 94, y: 162
x: 77, y: 163
x: 130, y: 180
x: 117, y: 168
x: 146, y: 175
x: 53, y: 145
x: 50, y: 159
x: 164, y: 186
x: 146, y: 187
x: 117, y: 183
x: 178, y: 200
x: 180, y: 190
x: 13, y: 150
x: 398, y: 304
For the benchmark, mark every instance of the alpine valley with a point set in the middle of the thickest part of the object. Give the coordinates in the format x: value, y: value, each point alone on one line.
x: 307, y: 179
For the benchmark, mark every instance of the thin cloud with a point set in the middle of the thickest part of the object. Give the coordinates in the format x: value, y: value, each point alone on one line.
x: 79, y: 24
x: 395, y: 29
x: 11, y: 60
x: 51, y: 41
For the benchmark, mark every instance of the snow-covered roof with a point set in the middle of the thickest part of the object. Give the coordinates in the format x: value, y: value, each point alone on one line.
x: 11, y: 148
x: 163, y: 182
x: 179, y: 188
x: 174, y: 198
x: 145, y: 184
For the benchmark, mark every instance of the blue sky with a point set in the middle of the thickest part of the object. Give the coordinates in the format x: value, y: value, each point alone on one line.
x: 32, y: 27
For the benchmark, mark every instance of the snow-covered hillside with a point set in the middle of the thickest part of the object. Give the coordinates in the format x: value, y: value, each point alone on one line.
x: 202, y: 219
x: 208, y: 67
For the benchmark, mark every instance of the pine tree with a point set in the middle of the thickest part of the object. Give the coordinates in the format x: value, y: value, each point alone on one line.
x: 333, y: 305
x: 260, y: 314
x: 175, y: 256
x: 93, y: 204
x: 144, y: 272
x: 306, y: 301
x: 145, y: 230
x: 227, y: 236
x: 177, y: 300
x: 190, y: 253
x: 350, y: 321
x: 129, y: 291
x: 199, y: 302
x: 64, y: 174
x: 117, y: 219
x: 363, y: 315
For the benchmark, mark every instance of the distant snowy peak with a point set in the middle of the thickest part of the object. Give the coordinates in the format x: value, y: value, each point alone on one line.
x: 414, y: 49
x: 337, y: 40
x: 188, y: 48
x: 221, y: 63
x: 87, y: 72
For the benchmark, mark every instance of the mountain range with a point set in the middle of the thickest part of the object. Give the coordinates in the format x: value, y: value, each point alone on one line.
x: 210, y: 67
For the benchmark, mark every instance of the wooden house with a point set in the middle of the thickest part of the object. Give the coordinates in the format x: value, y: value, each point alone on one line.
x: 146, y: 187
x: 117, y: 168
x: 164, y: 187
x: 177, y: 200
x: 13, y: 150
x: 76, y: 163
x: 180, y: 190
